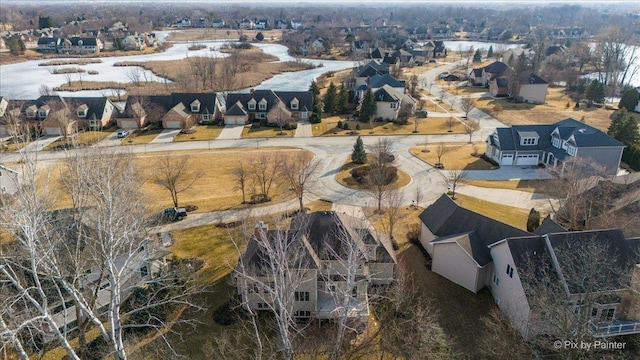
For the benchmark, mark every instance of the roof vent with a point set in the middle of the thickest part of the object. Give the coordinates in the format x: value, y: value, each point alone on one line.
x: 582, y: 131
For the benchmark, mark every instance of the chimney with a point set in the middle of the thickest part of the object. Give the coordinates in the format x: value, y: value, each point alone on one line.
x: 252, y: 90
x: 260, y: 230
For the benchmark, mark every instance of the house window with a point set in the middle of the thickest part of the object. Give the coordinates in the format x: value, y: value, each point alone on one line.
x: 262, y: 105
x: 510, y: 271
x: 556, y: 142
x: 262, y: 305
x: 81, y: 113
x: 331, y: 287
x: 496, y: 280
x: 251, y: 106
x: 607, y: 314
x: 302, y: 295
x: 529, y: 141
x: 571, y: 150
x: 393, y: 105
x: 252, y: 288
x: 304, y: 115
x: 144, y: 271
x: 294, y: 105
x: 205, y: 117
x: 594, y: 312
x: 302, y: 314
x: 263, y: 115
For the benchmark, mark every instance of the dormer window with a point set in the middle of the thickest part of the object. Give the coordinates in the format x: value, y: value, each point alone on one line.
x: 252, y: 104
x: 528, y: 138
x: 571, y: 150
x: 294, y: 104
x: 195, y: 106
x: 43, y: 111
x: 529, y: 141
x: 31, y: 111
x: 555, y: 142
x: 262, y: 105
x: 82, y: 111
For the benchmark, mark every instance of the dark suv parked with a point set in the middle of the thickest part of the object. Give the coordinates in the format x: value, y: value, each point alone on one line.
x: 174, y: 214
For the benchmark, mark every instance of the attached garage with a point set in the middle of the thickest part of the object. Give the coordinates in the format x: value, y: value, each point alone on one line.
x: 128, y: 124
x: 506, y: 159
x: 235, y: 120
x: 173, y: 125
x: 527, y: 159
x: 52, y: 131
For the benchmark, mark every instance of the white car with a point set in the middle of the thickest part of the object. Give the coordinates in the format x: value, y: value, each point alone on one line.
x: 122, y: 133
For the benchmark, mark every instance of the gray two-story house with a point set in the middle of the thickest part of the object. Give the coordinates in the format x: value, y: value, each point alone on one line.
x: 558, y: 146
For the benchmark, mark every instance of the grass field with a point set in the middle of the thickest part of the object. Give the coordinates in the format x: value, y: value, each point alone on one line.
x: 213, y: 189
x: 265, y: 132
x: 554, y: 110
x: 458, y: 156
x: 141, y: 137
x: 202, y: 132
x: 328, y: 127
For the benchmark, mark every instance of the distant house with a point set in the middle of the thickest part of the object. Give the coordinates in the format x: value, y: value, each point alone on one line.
x: 246, y: 24
x: 390, y: 103
x: 217, y: 23
x: 317, y: 46
x: 295, y: 24
x: 359, y: 47
x: 9, y: 180
x: 133, y: 116
x: 323, y: 239
x: 360, y: 75
x: 268, y: 105
x: 186, y: 109
x: 48, y: 44
x: 439, y: 49
x: 559, y: 146
x: 133, y: 42
x: 516, y: 53
x: 475, y: 251
x: 262, y: 24
x: 183, y: 23
x: 533, y: 89
x: 78, y: 45
x: 92, y: 113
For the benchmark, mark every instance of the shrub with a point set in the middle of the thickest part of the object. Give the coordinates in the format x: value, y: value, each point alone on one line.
x: 345, y: 125
x: 291, y: 126
x: 357, y: 126
x: 339, y: 126
x: 315, y: 119
x: 489, y: 160
x: 360, y: 173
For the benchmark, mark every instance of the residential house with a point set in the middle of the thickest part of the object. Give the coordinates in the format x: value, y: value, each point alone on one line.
x: 377, y: 81
x: 390, y: 103
x: 499, y: 83
x: 78, y: 45
x: 516, y: 53
x: 246, y: 24
x: 457, y: 240
x: 133, y: 116
x: 421, y: 55
x: 51, y: 115
x: 440, y: 32
x: 324, y: 240
x: 281, y: 24
x: 558, y: 146
x: 439, y: 49
x: 9, y: 180
x: 316, y: 46
x: 93, y: 113
x: 555, y: 49
x: 217, y: 23
x: 474, y: 252
x: 183, y: 23
x: 359, y: 47
x: 360, y: 75
x: 533, y: 89
x: 475, y: 77
x: 49, y: 44
x: 133, y: 42
x: 295, y: 24
x: 269, y: 106
x: 261, y: 24
x: 202, y: 22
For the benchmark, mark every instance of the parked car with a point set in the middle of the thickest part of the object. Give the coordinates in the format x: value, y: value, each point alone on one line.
x: 122, y: 133
x: 174, y: 214
x: 421, y: 113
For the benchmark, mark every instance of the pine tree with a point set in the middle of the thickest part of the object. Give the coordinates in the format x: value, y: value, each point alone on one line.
x: 343, y: 100
x: 330, y: 99
x: 368, y: 107
x: 316, y: 117
x: 533, y: 221
x: 624, y: 128
x: 359, y: 156
x: 629, y: 100
x: 490, y: 52
x: 595, y: 91
x: 477, y: 57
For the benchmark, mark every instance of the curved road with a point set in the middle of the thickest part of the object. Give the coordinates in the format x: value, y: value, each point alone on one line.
x: 334, y: 151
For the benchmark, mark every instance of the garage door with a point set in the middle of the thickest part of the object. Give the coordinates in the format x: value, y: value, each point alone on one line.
x: 52, y: 131
x: 234, y: 120
x: 527, y: 160
x: 507, y: 159
x: 128, y: 124
x: 172, y: 125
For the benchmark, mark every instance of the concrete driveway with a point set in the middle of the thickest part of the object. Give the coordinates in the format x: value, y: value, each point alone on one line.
x: 166, y: 136
x: 231, y: 132
x: 40, y: 143
x: 111, y: 140
x: 304, y: 129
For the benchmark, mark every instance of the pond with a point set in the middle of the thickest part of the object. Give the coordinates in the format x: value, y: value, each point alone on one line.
x: 24, y: 80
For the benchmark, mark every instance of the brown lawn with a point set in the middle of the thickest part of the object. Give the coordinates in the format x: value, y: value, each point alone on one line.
x: 328, y: 127
x: 202, y: 132
x: 249, y: 132
x: 507, y: 214
x: 141, y: 137
x: 458, y: 156
x: 551, y: 187
x: 85, y: 138
x: 344, y: 177
x: 555, y: 109
x: 213, y: 190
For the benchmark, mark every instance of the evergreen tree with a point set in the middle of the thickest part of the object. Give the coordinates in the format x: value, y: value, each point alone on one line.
x: 316, y: 117
x: 629, y: 99
x: 490, y: 52
x: 624, y: 128
x: 368, y: 107
x: 330, y: 99
x: 359, y: 156
x: 343, y: 100
x: 595, y: 91
x: 477, y: 57
x: 533, y: 221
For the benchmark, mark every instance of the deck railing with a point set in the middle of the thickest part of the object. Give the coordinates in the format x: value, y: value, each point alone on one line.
x: 615, y: 328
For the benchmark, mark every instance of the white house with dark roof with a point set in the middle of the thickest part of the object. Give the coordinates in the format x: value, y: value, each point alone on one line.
x: 390, y: 102
x: 556, y: 145
x: 474, y: 252
x: 533, y: 89
x: 268, y: 105
x: 323, y: 241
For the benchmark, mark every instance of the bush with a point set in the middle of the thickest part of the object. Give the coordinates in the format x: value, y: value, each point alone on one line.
x: 315, y: 119
x: 291, y: 126
x: 361, y: 174
x: 489, y: 160
x: 357, y: 126
x: 339, y: 126
x: 345, y: 125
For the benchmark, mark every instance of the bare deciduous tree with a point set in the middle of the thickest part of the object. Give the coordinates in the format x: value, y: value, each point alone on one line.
x: 395, y: 200
x: 264, y: 170
x: 466, y: 104
x: 450, y: 122
x: 441, y: 149
x: 298, y: 173
x: 241, y: 179
x: 173, y: 173
x: 453, y: 179
x: 471, y: 127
